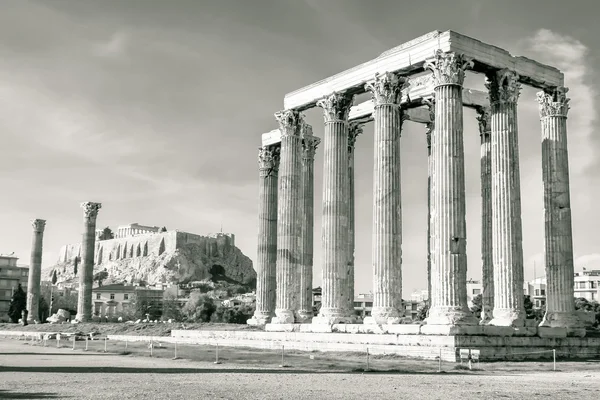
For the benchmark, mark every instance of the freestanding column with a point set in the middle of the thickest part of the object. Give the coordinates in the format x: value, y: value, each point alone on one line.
x: 35, y: 271
x: 560, y: 301
x: 289, y: 225
x: 387, y: 206
x: 487, y: 267
x: 430, y: 128
x: 507, y: 243
x: 268, y: 165
x: 309, y: 146
x: 335, y: 304
x: 86, y: 274
x: 448, y: 220
x: 355, y: 129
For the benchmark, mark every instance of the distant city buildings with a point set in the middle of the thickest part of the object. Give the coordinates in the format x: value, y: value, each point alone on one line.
x: 10, y: 276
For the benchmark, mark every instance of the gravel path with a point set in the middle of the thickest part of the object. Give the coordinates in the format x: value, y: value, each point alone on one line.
x: 33, y: 372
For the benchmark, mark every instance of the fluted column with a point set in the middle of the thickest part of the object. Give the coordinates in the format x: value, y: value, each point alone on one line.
x: 507, y: 235
x: 487, y: 267
x: 268, y: 165
x: 448, y: 219
x: 387, y: 205
x: 309, y: 146
x: 560, y: 301
x: 289, y: 225
x: 335, y: 304
x: 430, y: 128
x: 86, y: 273
x: 355, y: 129
x: 35, y: 271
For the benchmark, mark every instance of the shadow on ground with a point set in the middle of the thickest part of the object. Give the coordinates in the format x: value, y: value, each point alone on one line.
x: 8, y: 394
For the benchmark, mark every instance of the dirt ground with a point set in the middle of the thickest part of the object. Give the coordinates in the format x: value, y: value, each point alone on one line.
x: 35, y: 372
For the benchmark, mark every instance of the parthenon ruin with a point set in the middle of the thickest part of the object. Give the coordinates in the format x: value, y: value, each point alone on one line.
x: 419, y: 81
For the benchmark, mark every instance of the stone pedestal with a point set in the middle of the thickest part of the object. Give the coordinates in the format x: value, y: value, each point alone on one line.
x: 336, y: 306
x: 289, y: 225
x: 448, y: 223
x: 35, y: 271
x: 487, y: 267
x: 309, y: 146
x: 560, y: 302
x: 86, y: 268
x: 268, y: 163
x: 387, y: 206
x: 507, y: 234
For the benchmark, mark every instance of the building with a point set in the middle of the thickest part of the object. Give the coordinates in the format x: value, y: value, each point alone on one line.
x: 474, y: 288
x: 11, y: 275
x: 587, y: 285
x: 419, y: 296
x: 115, y: 300
x: 536, y: 290
x: 363, y: 304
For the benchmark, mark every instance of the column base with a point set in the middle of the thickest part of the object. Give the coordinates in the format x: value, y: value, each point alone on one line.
x: 381, y: 320
x: 508, y: 317
x: 82, y: 318
x: 304, y: 316
x: 332, y: 316
x: 283, y: 317
x: 32, y: 321
x: 486, y: 317
x: 453, y: 316
x: 568, y: 320
x: 383, y: 316
x: 260, y: 319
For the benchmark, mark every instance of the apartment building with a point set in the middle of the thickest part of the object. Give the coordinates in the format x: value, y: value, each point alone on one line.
x: 11, y: 275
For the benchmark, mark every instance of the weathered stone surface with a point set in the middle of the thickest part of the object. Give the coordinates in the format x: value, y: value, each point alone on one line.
x: 35, y: 271
x: 86, y: 272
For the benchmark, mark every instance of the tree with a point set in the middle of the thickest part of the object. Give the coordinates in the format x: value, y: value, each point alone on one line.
x: 18, y: 303
x: 171, y: 309
x: 528, y: 306
x: 477, y: 305
x: 54, y: 278
x: 233, y: 315
x: 199, y: 307
x: 163, y: 229
x: 423, y: 311
x: 68, y: 301
x: 75, y: 263
x: 106, y: 234
x: 100, y: 276
x: 43, y: 309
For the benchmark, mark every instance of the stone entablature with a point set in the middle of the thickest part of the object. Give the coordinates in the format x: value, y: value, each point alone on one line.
x: 134, y: 230
x: 144, y: 245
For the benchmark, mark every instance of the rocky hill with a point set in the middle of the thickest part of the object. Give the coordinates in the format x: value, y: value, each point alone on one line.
x: 185, y: 264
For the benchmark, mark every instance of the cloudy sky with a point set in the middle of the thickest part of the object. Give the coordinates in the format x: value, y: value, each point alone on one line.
x: 155, y: 108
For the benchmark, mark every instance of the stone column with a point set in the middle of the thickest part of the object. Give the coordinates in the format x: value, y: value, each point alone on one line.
x: 289, y: 226
x: 355, y: 129
x: 448, y: 219
x: 335, y: 304
x: 487, y: 267
x: 560, y: 301
x: 35, y: 271
x: 507, y: 235
x: 387, y: 206
x: 86, y: 272
x: 268, y: 165
x: 309, y: 146
x: 430, y: 128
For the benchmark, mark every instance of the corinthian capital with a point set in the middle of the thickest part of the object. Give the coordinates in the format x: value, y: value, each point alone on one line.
x: 290, y: 122
x: 38, y: 225
x: 386, y: 88
x: 484, y: 118
x: 448, y: 68
x: 355, y: 129
x: 503, y: 86
x: 309, y: 146
x: 336, y: 107
x: 555, y: 103
x: 268, y: 158
x: 90, y: 210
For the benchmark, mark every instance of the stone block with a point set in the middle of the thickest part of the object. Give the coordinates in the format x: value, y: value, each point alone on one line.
x: 525, y: 331
x: 452, y: 330
x: 282, y: 328
x: 403, y: 329
x: 551, y: 332
x: 531, y: 323
x: 491, y: 330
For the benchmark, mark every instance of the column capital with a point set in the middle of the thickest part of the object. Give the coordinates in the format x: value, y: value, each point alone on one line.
x: 386, y: 88
x: 503, y: 86
x: 355, y: 128
x: 268, y: 158
x: 38, y: 225
x: 554, y: 103
x: 448, y: 68
x: 309, y: 146
x: 90, y: 209
x: 336, y: 107
x: 484, y: 118
x: 290, y: 122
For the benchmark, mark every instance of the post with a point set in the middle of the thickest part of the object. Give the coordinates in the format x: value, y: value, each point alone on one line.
x: 73, y: 343
x: 151, y: 346
x: 105, y: 340
x: 440, y: 361
x: 86, y: 343
x: 58, y: 340
x: 217, y: 355
x: 368, y: 368
x: 282, y: 354
x: 175, y: 350
x: 125, y: 343
x: 554, y: 359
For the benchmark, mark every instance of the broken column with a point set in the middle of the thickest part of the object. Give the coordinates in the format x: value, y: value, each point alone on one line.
x: 387, y: 205
x: 560, y: 301
x: 448, y: 219
x: 289, y: 226
x: 35, y: 271
x: 268, y: 165
x: 507, y: 250
x: 335, y: 304
x: 86, y: 273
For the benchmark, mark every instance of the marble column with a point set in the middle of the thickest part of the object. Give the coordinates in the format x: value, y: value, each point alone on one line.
x: 487, y: 267
x: 429, y: 131
x: 560, y: 300
x: 507, y: 235
x: 448, y: 217
x: 309, y: 147
x: 86, y: 272
x: 268, y: 166
x: 289, y: 225
x: 355, y: 129
x: 35, y: 271
x: 335, y: 305
x: 387, y: 205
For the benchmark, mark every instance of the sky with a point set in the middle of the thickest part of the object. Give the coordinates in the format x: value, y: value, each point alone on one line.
x: 156, y: 109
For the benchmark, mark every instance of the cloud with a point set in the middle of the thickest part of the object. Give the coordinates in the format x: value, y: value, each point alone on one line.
x: 116, y: 46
